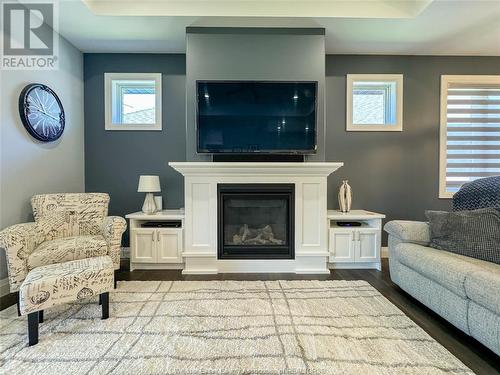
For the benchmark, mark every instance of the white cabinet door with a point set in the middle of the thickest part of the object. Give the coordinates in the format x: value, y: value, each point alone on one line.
x: 169, y: 245
x: 143, y: 245
x: 367, y: 247
x: 341, y: 245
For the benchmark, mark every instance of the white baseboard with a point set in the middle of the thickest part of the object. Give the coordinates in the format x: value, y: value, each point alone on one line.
x: 125, y: 253
x: 355, y: 266
x: 4, y: 287
x: 156, y: 266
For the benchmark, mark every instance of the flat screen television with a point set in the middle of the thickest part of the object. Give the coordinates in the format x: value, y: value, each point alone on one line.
x: 245, y: 117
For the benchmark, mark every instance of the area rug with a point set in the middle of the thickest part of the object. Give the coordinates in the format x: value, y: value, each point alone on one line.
x: 227, y: 327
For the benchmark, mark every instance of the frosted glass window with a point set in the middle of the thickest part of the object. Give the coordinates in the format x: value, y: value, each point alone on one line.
x: 133, y: 101
x: 374, y: 102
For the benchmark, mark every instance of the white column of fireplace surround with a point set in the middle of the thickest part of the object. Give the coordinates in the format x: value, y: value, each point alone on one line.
x: 200, y: 231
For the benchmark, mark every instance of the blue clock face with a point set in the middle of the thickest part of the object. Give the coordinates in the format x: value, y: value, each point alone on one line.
x: 41, y: 112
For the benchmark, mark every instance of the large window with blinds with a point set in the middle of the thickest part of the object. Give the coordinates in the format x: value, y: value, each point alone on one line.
x: 470, y: 130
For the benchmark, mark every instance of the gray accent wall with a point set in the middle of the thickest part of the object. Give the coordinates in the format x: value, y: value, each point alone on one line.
x: 114, y: 160
x: 279, y: 54
x: 27, y: 166
x: 396, y: 173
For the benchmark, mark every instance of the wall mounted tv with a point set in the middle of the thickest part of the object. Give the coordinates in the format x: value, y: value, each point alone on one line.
x: 245, y: 117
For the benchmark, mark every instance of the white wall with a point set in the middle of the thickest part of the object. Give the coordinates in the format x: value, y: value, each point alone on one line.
x: 29, y: 167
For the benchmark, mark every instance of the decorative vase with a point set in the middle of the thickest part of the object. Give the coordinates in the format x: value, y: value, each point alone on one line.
x: 159, y: 202
x: 149, y: 206
x: 345, y: 197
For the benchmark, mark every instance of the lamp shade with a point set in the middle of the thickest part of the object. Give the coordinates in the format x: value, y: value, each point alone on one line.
x: 149, y: 184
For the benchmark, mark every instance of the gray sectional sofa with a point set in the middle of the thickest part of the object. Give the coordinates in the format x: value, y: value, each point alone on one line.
x: 465, y: 291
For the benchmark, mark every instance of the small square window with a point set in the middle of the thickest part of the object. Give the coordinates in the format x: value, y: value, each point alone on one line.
x: 374, y: 102
x: 133, y: 101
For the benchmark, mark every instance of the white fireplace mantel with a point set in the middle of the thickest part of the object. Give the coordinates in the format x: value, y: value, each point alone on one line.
x: 200, y: 235
x: 223, y: 169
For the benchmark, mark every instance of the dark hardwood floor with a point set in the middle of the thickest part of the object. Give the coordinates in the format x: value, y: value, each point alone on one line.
x: 472, y: 353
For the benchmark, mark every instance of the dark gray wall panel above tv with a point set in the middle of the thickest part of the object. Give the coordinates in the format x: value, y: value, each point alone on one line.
x: 276, y: 54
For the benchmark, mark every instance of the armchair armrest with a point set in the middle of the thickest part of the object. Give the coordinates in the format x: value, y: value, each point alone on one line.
x: 19, y: 241
x: 416, y: 232
x: 112, y: 229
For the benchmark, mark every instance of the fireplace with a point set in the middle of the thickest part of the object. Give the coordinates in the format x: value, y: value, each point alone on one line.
x: 256, y: 221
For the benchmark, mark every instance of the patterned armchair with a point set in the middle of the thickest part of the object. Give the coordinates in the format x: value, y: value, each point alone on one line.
x: 67, y: 227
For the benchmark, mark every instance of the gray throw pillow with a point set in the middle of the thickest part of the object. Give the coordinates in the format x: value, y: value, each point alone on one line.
x: 474, y: 233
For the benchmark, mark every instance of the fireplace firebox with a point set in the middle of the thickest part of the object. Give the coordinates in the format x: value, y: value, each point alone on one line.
x: 256, y: 221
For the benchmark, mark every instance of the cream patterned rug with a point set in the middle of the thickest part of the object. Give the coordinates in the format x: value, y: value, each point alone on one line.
x: 227, y: 327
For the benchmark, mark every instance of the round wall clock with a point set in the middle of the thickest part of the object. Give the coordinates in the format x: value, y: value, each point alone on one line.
x: 41, y: 112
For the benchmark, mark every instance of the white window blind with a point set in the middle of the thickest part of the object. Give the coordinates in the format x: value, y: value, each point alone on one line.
x: 470, y: 130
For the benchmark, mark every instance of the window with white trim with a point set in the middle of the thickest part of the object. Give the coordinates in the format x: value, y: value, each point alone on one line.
x: 133, y: 101
x: 469, y: 130
x: 374, y: 102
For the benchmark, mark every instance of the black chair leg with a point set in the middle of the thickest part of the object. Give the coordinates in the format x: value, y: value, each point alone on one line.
x: 115, y: 279
x: 33, y: 319
x: 40, y: 316
x: 18, y: 307
x: 105, y: 305
x: 100, y: 299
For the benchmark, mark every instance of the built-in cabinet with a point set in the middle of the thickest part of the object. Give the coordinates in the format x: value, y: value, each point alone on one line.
x: 169, y: 246
x: 156, y: 246
x: 162, y: 246
x: 355, y: 246
x: 143, y: 245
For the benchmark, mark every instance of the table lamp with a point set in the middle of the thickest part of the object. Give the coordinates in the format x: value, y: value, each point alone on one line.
x: 149, y: 185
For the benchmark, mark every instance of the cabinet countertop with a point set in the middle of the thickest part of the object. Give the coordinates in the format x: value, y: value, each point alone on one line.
x: 353, y: 215
x: 160, y: 215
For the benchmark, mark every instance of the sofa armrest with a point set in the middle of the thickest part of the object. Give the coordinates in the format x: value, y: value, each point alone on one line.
x: 416, y: 232
x: 112, y: 229
x: 19, y: 241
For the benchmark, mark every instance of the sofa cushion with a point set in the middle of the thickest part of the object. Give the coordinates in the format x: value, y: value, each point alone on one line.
x: 409, y: 231
x: 435, y: 296
x: 484, y: 326
x: 66, y: 249
x: 448, y: 269
x: 484, y: 288
x: 471, y: 233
